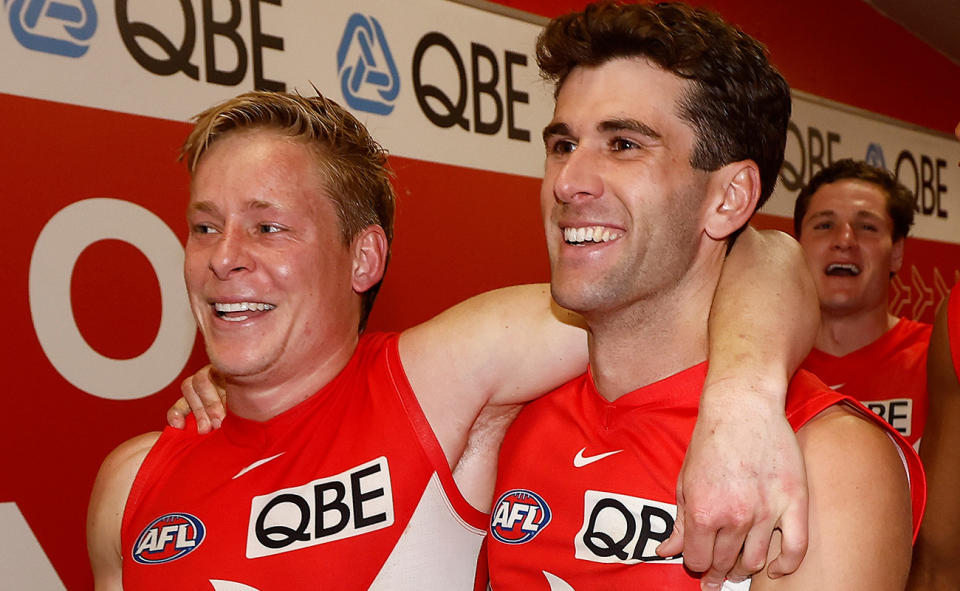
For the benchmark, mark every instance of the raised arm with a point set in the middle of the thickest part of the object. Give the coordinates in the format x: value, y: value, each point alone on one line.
x: 743, y: 474
x: 499, y: 348
x: 935, y: 565
x: 105, y: 514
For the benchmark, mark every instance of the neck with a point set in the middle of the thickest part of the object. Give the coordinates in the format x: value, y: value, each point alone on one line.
x: 654, y: 337
x: 268, y: 394
x: 843, y: 333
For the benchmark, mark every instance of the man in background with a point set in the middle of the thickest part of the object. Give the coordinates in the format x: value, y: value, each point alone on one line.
x: 852, y: 221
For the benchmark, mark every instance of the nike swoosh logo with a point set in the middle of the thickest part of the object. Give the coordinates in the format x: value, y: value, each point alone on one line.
x: 257, y: 464
x: 837, y: 386
x: 580, y: 460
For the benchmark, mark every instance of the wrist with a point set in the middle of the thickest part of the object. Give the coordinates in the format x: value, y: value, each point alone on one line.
x: 735, y: 396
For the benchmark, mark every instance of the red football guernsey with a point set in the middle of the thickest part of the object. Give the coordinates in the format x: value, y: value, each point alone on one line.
x: 888, y: 376
x: 348, y: 490
x: 586, y: 488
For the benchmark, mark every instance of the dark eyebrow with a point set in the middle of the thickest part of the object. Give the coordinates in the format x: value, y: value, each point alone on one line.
x: 821, y: 213
x: 555, y: 129
x: 628, y: 125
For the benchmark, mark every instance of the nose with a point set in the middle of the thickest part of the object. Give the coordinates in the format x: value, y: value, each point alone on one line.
x: 231, y: 254
x: 844, y: 238
x: 578, y: 177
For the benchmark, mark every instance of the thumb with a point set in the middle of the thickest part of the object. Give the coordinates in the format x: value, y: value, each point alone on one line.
x: 673, y: 546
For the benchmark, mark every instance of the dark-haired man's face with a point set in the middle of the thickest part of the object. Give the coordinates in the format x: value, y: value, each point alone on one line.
x: 620, y: 202
x: 847, y: 236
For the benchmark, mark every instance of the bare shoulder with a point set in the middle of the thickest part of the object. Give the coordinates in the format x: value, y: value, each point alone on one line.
x: 107, y: 503
x: 851, y: 452
x: 849, y: 424
x: 860, y: 508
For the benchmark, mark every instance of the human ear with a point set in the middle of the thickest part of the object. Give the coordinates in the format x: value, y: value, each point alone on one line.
x: 896, y: 255
x: 369, y: 258
x: 733, y: 194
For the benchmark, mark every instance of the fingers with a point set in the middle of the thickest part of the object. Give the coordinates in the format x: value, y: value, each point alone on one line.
x: 753, y: 556
x: 699, y: 539
x: 206, y: 400
x: 793, y: 546
x: 204, y: 397
x: 673, y: 545
x: 726, y: 551
x: 176, y: 414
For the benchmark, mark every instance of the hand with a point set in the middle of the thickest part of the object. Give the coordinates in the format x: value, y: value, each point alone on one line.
x: 205, y: 397
x: 742, y: 478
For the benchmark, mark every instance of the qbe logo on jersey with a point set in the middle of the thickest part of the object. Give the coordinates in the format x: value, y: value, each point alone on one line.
x: 168, y: 538
x: 898, y: 412
x: 352, y: 503
x: 621, y: 529
x: 60, y: 27
x: 518, y: 516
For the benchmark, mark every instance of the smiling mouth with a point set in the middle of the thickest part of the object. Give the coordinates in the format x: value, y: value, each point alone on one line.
x: 234, y: 311
x: 589, y: 234
x: 842, y: 270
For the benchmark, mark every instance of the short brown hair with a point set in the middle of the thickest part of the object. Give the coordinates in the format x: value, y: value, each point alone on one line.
x: 352, y: 163
x: 900, y: 199
x: 739, y: 104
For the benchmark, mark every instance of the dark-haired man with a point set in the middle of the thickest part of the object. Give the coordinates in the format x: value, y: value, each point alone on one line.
x: 852, y: 220
x: 668, y: 130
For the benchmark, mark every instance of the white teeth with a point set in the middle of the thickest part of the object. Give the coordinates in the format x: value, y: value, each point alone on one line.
x: 224, y: 307
x: 843, y: 269
x: 589, y: 234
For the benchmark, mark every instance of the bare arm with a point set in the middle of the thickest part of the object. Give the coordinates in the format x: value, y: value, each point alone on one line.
x: 860, y: 509
x: 105, y: 515
x: 743, y: 474
x: 499, y: 348
x: 935, y: 565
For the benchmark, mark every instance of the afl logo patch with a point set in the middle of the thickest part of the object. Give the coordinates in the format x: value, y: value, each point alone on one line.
x: 168, y: 538
x: 518, y: 516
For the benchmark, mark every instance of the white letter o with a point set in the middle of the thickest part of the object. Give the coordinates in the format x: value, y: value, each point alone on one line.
x: 60, y: 243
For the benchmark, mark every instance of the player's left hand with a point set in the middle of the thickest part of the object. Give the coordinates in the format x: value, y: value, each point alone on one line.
x: 742, y: 478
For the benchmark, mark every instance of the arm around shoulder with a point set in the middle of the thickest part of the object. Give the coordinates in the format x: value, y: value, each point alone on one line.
x: 499, y: 348
x: 860, y: 508
x: 743, y: 472
x: 105, y: 514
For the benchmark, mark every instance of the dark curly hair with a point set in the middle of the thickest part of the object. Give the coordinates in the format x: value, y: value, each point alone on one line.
x: 738, y: 105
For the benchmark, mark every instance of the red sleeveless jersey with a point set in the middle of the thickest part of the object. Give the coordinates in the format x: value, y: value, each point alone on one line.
x: 586, y: 488
x: 348, y: 490
x: 888, y: 376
